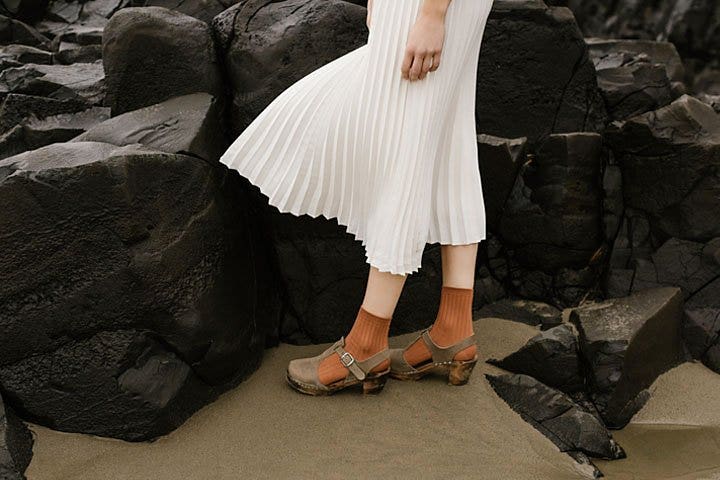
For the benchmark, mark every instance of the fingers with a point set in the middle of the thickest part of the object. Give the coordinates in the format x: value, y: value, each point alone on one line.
x: 407, y: 63
x: 427, y: 64
x: 416, y: 65
x: 436, y: 62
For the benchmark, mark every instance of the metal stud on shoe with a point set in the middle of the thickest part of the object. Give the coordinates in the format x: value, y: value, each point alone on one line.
x: 458, y: 371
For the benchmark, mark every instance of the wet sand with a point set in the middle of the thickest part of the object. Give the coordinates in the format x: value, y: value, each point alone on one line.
x: 676, y: 435
x: 426, y: 429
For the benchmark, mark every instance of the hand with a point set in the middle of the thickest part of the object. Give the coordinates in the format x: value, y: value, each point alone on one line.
x: 424, y: 46
x: 369, y: 13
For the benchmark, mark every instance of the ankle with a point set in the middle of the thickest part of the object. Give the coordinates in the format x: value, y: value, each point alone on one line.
x: 444, y: 336
x: 362, y: 349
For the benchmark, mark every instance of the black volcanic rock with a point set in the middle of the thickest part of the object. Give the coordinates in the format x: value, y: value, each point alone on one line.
x: 627, y: 343
x: 17, y: 108
x: 204, y: 10
x: 500, y: 159
x: 82, y: 82
x: 535, y: 76
x: 151, y: 54
x: 524, y: 311
x: 36, y: 132
x: 566, y: 423
x: 187, y: 124
x: 632, y: 83
x: 267, y: 46
x: 15, y: 31
x: 670, y: 161
x: 16, y: 444
x: 139, y: 289
x: 552, y: 217
x: 692, y: 25
x: 551, y: 357
x: 614, y: 52
x: 25, y: 10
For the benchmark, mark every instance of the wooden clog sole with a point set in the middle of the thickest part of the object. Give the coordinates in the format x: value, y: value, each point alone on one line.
x: 372, y: 384
x: 458, y: 371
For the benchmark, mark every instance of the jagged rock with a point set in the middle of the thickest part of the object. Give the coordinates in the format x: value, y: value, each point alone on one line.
x: 26, y: 54
x: 500, y: 159
x: 631, y: 80
x: 677, y: 262
x: 16, y: 108
x: 530, y: 52
x: 551, y: 357
x: 152, y: 54
x: 552, y: 219
x: 626, y: 343
x: 701, y: 325
x: 15, y: 31
x: 707, y: 80
x: 186, y: 124
x: 204, y: 10
x: 670, y: 160
x: 523, y: 311
x: 613, y: 205
x: 80, y: 81
x: 556, y: 415
x: 25, y: 10
x: 710, y: 99
x: 36, y: 132
x: 16, y: 444
x: 267, y: 46
x: 73, y: 53
x: 611, y: 52
x: 692, y: 25
x: 77, y: 22
x: 140, y: 287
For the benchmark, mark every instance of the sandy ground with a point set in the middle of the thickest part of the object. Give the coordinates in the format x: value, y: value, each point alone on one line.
x: 425, y: 429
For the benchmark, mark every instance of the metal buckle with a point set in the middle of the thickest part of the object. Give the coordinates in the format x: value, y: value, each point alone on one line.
x: 342, y: 359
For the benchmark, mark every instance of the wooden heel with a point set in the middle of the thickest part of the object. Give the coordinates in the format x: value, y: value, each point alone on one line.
x: 460, y: 372
x: 374, y: 385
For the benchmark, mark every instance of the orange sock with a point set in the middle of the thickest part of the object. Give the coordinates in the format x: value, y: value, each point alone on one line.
x: 368, y: 335
x: 452, y: 324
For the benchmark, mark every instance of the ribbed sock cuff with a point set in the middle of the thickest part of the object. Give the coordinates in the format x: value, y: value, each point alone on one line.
x: 369, y: 331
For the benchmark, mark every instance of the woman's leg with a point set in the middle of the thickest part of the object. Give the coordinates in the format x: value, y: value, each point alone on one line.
x: 369, y: 333
x: 454, y: 317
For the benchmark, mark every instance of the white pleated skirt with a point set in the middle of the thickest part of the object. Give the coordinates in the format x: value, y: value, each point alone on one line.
x: 394, y: 161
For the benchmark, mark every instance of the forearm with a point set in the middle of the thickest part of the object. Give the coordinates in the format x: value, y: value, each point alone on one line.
x: 436, y: 8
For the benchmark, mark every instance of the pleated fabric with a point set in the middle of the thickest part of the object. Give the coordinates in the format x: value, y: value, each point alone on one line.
x: 393, y: 161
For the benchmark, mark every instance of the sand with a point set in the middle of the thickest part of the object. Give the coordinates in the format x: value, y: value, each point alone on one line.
x: 425, y: 429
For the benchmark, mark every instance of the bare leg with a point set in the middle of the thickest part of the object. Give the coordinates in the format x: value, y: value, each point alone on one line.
x: 458, y: 265
x: 382, y: 292
x: 369, y: 333
x: 454, y: 317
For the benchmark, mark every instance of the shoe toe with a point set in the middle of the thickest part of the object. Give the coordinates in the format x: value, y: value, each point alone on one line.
x: 301, y: 370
